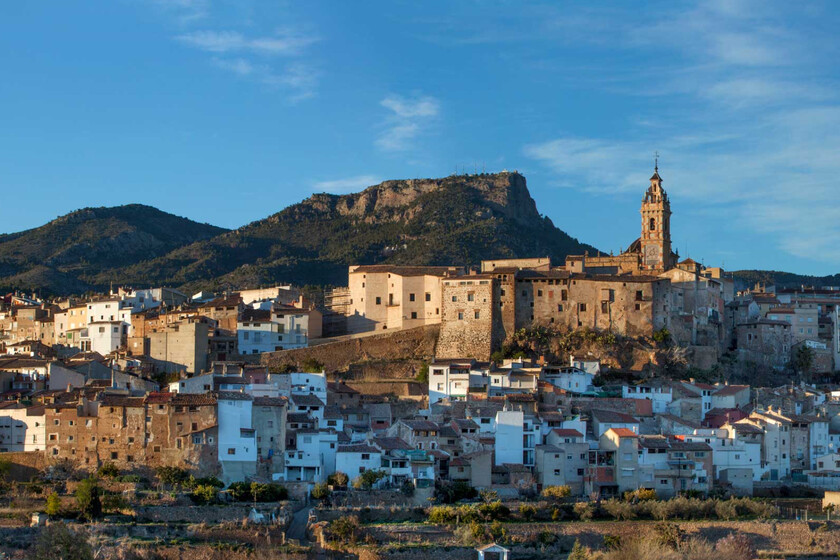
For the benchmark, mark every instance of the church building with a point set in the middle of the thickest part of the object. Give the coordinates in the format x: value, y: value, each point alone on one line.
x: 651, y: 253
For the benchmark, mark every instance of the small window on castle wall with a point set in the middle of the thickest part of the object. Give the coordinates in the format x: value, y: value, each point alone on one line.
x: 653, y: 224
x: 477, y: 314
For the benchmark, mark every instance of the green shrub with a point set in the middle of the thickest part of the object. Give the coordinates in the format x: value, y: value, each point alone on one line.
x: 204, y: 494
x: 449, y: 493
x: 321, y: 491
x: 108, y: 470
x: 527, y: 512
x: 546, y: 537
x: 612, y: 542
x: 585, y: 511
x: 53, y: 506
x: 668, y: 535
x: 338, y: 478
x: 556, y: 492
x: 471, y: 534
x: 367, y: 479
x: 497, y: 531
x: 494, y: 511
x: 87, y: 499
x: 129, y: 478
x: 344, y: 529
x: 726, y: 510
x: 114, y: 503
x: 621, y: 511
x: 441, y: 515
x: 172, y: 476
x: 578, y: 552
x: 640, y: 495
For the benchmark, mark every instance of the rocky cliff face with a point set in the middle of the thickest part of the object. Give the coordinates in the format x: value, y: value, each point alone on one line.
x: 453, y: 220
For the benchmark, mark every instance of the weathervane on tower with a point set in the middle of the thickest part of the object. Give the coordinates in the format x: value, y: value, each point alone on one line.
x: 656, y: 161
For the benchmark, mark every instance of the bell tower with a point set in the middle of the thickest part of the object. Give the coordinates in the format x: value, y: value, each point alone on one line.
x: 656, y: 227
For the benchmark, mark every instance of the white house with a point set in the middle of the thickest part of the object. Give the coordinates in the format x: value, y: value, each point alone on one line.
x: 237, y: 437
x: 510, y: 437
x: 589, y: 364
x: 659, y: 394
x: 453, y: 378
x: 22, y: 428
x: 568, y: 378
x: 353, y: 460
x: 105, y: 336
x: 731, y: 448
x: 300, y: 383
x: 310, y: 456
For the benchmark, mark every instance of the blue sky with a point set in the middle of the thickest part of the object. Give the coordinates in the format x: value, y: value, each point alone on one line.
x: 226, y: 112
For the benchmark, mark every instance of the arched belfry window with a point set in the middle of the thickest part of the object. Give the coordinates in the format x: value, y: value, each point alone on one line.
x: 653, y: 224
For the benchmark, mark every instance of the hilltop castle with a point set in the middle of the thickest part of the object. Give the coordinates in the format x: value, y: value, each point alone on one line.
x: 636, y: 293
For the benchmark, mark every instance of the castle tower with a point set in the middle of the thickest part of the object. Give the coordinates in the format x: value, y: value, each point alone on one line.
x: 656, y: 227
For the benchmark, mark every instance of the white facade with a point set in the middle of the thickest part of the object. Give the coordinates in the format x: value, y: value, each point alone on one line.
x: 313, y: 457
x: 353, y: 460
x: 105, y: 336
x: 21, y: 432
x: 728, y: 451
x: 509, y: 437
x: 237, y: 437
x: 818, y: 440
x: 256, y: 337
x: 453, y: 381
x: 571, y: 379
x: 660, y: 396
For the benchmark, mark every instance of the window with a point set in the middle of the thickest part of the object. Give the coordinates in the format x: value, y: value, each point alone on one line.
x: 365, y: 456
x: 428, y: 296
x: 638, y: 307
x: 378, y: 300
x: 454, y: 298
x: 471, y: 296
x: 652, y: 224
x: 196, y: 440
x: 605, y: 307
x: 413, y: 314
x: 564, y: 295
x: 539, y: 293
x: 477, y: 314
x: 410, y: 297
x: 231, y: 451
x: 560, y: 307
x: 460, y: 315
x: 580, y: 472
x: 582, y: 307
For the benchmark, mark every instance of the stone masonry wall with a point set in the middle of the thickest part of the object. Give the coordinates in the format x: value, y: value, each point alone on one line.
x: 467, y: 328
x: 416, y: 344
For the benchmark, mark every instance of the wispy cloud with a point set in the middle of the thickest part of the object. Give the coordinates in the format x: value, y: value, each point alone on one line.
x: 758, y: 143
x: 285, y: 42
x: 407, y: 118
x: 279, y: 59
x: 346, y: 185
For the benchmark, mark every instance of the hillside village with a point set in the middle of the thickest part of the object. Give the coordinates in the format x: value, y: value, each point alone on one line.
x: 594, y: 379
x: 152, y: 378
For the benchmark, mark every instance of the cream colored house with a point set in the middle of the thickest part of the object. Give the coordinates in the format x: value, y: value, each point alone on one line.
x: 386, y: 297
